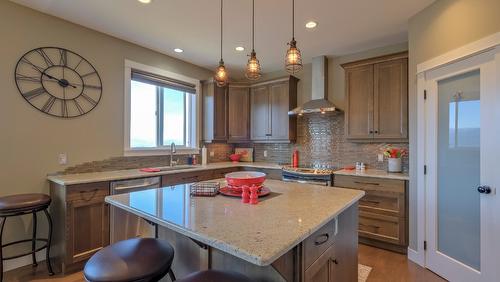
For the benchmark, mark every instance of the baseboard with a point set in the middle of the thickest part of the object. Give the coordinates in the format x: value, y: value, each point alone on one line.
x: 22, y: 261
x: 415, y: 257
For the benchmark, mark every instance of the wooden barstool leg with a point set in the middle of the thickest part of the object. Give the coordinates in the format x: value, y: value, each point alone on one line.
x: 33, y: 240
x: 2, y: 223
x: 49, y: 240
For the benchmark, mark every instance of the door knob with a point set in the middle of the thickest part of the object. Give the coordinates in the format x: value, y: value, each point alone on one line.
x: 484, y: 189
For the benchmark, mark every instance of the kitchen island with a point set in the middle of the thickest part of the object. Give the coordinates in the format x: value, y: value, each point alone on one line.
x: 299, y: 232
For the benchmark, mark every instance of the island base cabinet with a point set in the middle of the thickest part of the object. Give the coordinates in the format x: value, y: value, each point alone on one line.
x: 339, y: 262
x: 331, y: 258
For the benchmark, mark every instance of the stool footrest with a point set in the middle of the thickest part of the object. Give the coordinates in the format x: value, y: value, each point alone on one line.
x: 27, y: 253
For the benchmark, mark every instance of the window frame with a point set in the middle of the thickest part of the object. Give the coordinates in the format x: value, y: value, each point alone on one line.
x: 194, y: 116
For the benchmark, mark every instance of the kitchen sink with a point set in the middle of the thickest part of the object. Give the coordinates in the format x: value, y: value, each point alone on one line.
x: 177, y: 167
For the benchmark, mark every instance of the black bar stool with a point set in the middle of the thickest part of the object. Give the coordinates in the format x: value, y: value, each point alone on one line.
x: 16, y: 205
x: 138, y: 259
x: 215, y: 276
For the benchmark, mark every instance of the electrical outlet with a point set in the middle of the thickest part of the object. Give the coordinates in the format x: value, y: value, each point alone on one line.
x: 212, y: 154
x: 380, y: 157
x: 265, y: 153
x: 63, y: 158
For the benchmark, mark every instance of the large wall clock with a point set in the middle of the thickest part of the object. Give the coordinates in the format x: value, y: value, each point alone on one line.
x: 58, y: 82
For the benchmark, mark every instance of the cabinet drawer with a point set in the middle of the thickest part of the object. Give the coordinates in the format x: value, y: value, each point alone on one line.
x: 87, y: 192
x: 370, y: 183
x: 317, y: 243
x: 383, y: 203
x: 385, y: 228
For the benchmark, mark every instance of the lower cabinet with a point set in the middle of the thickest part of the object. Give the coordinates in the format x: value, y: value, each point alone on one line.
x: 330, y: 254
x: 383, y: 211
x: 81, y: 223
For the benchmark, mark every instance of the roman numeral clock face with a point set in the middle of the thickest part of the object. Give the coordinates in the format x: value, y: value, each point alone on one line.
x: 58, y: 82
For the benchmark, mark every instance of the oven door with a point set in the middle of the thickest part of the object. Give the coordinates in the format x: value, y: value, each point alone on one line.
x: 323, y: 180
x: 124, y: 225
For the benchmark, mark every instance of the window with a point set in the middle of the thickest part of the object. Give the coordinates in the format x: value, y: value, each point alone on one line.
x: 161, y: 108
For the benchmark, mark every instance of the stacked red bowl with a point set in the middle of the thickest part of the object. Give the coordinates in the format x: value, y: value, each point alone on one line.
x: 236, y: 180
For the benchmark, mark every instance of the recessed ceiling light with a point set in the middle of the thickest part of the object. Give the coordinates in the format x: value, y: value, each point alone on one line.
x: 240, y: 48
x: 178, y: 50
x: 311, y: 24
x: 144, y: 1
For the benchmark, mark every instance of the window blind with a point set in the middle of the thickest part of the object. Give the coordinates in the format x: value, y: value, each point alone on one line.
x: 162, y: 81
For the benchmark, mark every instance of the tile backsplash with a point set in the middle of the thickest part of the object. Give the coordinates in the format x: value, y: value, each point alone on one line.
x: 320, y: 141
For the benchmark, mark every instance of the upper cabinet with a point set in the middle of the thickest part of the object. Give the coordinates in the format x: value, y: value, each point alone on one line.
x: 215, y: 112
x: 239, y: 113
x: 243, y: 112
x: 377, y: 99
x: 269, y: 104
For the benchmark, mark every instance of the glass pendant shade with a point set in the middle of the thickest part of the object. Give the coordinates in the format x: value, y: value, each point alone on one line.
x: 221, y: 76
x: 293, y: 59
x: 253, y: 67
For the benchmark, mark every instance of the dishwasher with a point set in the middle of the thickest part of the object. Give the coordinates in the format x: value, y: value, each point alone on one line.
x: 124, y: 225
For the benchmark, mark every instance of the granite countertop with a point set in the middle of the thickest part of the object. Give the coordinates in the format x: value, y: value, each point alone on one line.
x: 260, y: 233
x: 79, y: 178
x: 374, y: 173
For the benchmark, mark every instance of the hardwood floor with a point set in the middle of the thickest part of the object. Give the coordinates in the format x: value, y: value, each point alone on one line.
x: 386, y: 267
x: 393, y: 267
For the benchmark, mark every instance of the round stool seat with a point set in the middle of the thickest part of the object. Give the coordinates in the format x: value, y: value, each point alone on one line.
x: 135, y: 259
x: 215, y: 276
x: 23, y: 202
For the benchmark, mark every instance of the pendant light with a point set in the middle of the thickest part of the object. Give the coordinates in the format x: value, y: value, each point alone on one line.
x: 293, y: 59
x: 253, y: 65
x: 221, y: 75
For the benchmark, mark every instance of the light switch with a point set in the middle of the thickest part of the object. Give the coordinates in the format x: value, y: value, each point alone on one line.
x: 265, y: 153
x: 63, y: 158
x: 380, y: 157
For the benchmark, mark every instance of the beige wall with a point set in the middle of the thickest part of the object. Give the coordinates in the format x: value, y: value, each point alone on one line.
x: 30, y: 140
x: 441, y: 27
x: 336, y: 74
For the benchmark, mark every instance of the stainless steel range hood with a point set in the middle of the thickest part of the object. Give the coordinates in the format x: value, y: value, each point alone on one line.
x: 319, y: 102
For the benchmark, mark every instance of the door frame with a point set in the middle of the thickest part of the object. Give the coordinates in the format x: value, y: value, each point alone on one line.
x: 462, y: 55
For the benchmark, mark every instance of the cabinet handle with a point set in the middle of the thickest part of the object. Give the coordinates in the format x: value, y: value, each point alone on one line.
x: 94, y: 192
x: 376, y: 131
x: 372, y: 226
x: 321, y: 242
x: 371, y: 131
x: 269, y: 134
x: 368, y: 183
x: 370, y: 201
x: 334, y: 260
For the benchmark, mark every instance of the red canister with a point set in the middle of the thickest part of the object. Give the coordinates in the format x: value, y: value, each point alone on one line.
x: 295, y: 158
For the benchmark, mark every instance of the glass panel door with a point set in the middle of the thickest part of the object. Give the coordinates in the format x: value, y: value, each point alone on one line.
x: 458, y: 168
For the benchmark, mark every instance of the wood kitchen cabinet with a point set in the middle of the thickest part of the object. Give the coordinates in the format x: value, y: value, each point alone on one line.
x: 269, y: 104
x: 238, y: 113
x: 81, y: 223
x: 377, y: 99
x: 215, y: 112
x: 383, y: 216
x: 330, y: 254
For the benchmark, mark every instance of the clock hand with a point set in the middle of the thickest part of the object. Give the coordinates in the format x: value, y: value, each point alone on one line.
x: 58, y: 80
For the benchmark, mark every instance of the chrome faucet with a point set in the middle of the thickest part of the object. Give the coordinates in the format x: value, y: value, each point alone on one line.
x: 172, y: 152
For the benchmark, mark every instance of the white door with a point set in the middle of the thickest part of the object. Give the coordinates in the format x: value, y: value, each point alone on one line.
x: 463, y: 169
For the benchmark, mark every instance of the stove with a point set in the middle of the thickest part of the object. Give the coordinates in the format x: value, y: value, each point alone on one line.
x: 318, y: 175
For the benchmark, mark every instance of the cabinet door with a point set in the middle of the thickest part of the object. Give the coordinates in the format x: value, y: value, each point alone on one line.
x: 220, y: 113
x: 239, y: 114
x: 359, y: 114
x: 344, y: 263
x: 321, y: 269
x: 260, y: 119
x: 279, y: 105
x: 391, y: 100
x: 88, y: 224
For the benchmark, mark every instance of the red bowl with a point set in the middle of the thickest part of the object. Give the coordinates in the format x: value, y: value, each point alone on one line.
x: 245, y: 178
x: 235, y: 157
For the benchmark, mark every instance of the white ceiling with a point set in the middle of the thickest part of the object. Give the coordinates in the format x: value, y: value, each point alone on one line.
x: 344, y: 26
